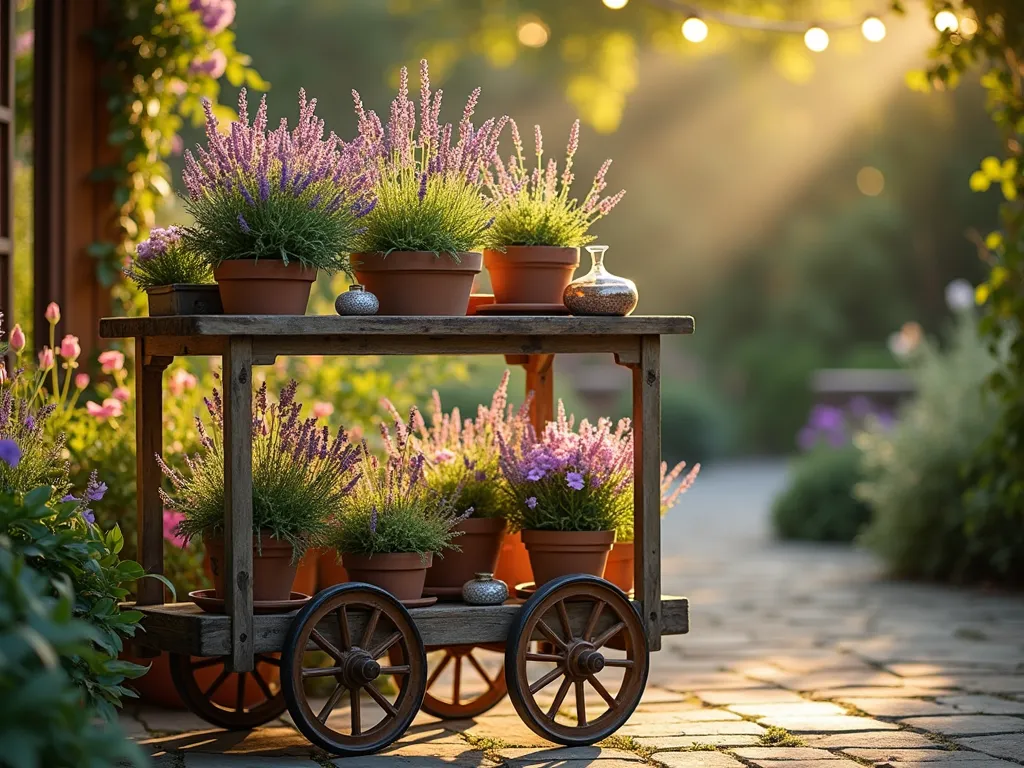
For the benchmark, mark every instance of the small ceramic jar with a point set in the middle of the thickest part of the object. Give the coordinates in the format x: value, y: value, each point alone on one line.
x: 484, y: 590
x: 356, y: 301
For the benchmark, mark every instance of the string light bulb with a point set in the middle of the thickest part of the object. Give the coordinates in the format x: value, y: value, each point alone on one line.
x: 816, y: 39
x: 946, y: 21
x: 615, y: 5
x: 695, y: 30
x: 873, y: 29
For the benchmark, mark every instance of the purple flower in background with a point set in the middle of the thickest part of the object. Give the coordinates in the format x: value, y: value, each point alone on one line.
x: 531, y: 502
x: 159, y: 242
x: 373, y: 520
x: 68, y: 498
x: 826, y: 418
x: 213, y: 65
x: 243, y: 224
x: 10, y: 452
x: 216, y: 15
x: 94, y: 489
x: 89, y: 516
x: 480, y: 476
x: 574, y: 480
x: 535, y: 474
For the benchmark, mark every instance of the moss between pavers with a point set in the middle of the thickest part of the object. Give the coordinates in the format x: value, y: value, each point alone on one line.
x: 627, y: 744
x: 774, y: 736
x: 490, y: 746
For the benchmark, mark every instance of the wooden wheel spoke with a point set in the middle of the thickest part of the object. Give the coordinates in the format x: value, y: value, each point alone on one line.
x: 326, y: 645
x: 457, y: 680
x: 343, y: 628
x: 624, y: 663
x: 207, y: 662
x: 550, y: 633
x: 440, y: 668
x: 381, y: 649
x: 321, y: 671
x: 382, y: 702
x: 240, y: 701
x: 581, y: 704
x: 546, y: 679
x: 357, y: 713
x: 331, y: 703
x: 595, y: 614
x: 401, y: 669
x: 608, y: 634
x: 553, y: 657
x: 217, y: 683
x: 268, y: 660
x: 599, y: 687
x: 262, y: 684
x: 371, y: 627
x: 479, y: 669
x: 563, y: 689
x: 563, y: 616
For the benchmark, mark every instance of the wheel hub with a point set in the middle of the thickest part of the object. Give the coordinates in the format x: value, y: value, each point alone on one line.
x: 360, y: 668
x: 584, y: 660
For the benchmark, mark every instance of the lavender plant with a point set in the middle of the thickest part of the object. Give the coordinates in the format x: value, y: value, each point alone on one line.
x: 163, y: 259
x: 301, y: 477
x: 284, y: 195
x: 462, y: 457
x: 533, y: 206
x: 428, y: 191
x: 393, y: 509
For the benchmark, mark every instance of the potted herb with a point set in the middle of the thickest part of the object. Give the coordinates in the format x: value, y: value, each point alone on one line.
x: 394, y: 523
x: 462, y: 460
x: 569, y: 492
x: 177, y: 279
x: 415, y: 250
x: 533, y: 245
x: 272, y: 208
x: 301, y: 477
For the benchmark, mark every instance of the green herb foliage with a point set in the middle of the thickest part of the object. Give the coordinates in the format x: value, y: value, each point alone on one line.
x: 175, y: 265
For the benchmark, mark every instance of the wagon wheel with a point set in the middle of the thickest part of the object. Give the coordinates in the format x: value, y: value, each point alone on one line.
x: 578, y: 616
x: 355, y: 625
x: 243, y: 711
x: 478, y: 665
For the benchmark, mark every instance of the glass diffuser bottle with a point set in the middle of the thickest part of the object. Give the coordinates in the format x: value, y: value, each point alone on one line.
x: 599, y: 292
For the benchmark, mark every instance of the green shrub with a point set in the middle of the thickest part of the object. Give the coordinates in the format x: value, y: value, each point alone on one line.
x: 914, y: 478
x: 819, y: 502
x: 695, y: 423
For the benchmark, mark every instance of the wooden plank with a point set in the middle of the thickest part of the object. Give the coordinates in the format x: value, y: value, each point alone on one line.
x: 183, y: 346
x: 330, y: 325
x: 647, y: 485
x: 184, y: 628
x: 148, y: 444
x: 238, y: 499
x: 540, y: 379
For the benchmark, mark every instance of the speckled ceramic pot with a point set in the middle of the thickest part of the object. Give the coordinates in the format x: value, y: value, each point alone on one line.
x: 356, y: 301
x: 484, y: 590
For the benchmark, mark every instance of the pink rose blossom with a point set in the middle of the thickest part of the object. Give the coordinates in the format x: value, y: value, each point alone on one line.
x: 122, y: 394
x: 213, y: 65
x: 322, y: 410
x: 180, y: 381
x: 82, y: 380
x: 70, y: 349
x: 46, y: 359
x: 17, y: 338
x: 111, y: 361
x: 111, y: 408
x: 171, y: 521
x: 52, y: 313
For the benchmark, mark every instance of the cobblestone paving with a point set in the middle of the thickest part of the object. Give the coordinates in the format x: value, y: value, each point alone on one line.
x: 798, y: 657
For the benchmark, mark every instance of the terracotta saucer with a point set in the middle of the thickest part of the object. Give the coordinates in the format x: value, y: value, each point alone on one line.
x: 422, y: 602
x: 478, y: 301
x: 443, y: 593
x: 522, y: 309
x: 525, y: 590
x: 204, y: 599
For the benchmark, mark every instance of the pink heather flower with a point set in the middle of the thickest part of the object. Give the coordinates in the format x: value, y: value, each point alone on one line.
x: 171, y: 521
x: 70, y: 349
x: 52, y: 313
x: 212, y: 66
x: 111, y: 408
x: 111, y: 361
x: 177, y: 145
x: 177, y: 87
x: 574, y: 480
x: 531, y: 502
x: 321, y: 410
x: 82, y: 380
x: 122, y: 394
x: 159, y: 242
x: 24, y: 43
x: 180, y: 381
x: 46, y: 358
x: 216, y: 15
x: 444, y: 456
x: 17, y: 338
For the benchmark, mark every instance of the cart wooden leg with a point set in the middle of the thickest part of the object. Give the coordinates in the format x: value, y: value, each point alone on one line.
x: 647, y: 485
x: 237, y: 376
x: 540, y: 379
x: 148, y: 443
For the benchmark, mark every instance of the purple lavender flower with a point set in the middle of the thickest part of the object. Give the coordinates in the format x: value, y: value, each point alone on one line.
x: 243, y: 224
x: 574, y: 480
x: 373, y: 519
x: 531, y: 502
x: 10, y: 453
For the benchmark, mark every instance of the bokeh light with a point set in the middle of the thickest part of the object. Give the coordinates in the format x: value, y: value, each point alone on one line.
x: 695, y: 30
x: 533, y: 33
x: 870, y: 181
x: 946, y: 21
x: 816, y: 39
x: 615, y: 4
x: 873, y: 29
x: 968, y: 26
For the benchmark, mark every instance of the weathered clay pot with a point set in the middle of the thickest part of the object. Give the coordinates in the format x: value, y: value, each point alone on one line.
x: 331, y: 570
x: 513, y: 563
x: 531, y: 274
x: 400, y: 573
x: 619, y: 569
x: 480, y: 543
x: 264, y: 287
x: 559, y: 553
x: 273, y: 571
x: 418, y: 282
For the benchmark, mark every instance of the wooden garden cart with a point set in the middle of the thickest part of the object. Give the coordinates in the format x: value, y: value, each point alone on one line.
x: 580, y: 631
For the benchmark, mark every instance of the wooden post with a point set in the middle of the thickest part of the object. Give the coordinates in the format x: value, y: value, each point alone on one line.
x: 238, y: 499
x: 540, y: 379
x: 7, y: 163
x: 647, y: 485
x: 148, y: 443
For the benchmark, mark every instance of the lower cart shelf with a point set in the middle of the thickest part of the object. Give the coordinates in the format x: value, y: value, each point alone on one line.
x: 184, y: 628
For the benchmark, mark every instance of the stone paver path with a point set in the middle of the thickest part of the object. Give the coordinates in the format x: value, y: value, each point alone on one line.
x: 799, y: 657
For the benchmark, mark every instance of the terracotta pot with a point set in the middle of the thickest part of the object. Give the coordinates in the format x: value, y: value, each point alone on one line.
x: 480, y: 543
x: 156, y: 686
x: 306, y: 573
x: 513, y: 563
x: 273, y: 571
x: 477, y: 300
x: 418, y: 282
x: 400, y: 573
x: 559, y: 553
x: 619, y: 570
x: 264, y: 287
x: 531, y: 274
x: 331, y: 570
